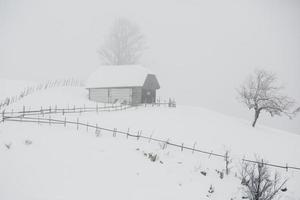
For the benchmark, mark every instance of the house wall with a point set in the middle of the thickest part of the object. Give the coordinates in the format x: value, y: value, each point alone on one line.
x: 98, y: 95
x: 112, y: 95
x: 148, y: 96
x: 120, y: 95
x: 136, y: 95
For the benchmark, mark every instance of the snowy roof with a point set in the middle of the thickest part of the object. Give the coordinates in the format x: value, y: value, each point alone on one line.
x: 118, y: 76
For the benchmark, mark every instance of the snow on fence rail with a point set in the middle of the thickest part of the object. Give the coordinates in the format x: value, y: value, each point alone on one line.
x: 128, y: 133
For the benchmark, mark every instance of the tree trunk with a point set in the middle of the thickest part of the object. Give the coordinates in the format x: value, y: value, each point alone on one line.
x: 256, y: 115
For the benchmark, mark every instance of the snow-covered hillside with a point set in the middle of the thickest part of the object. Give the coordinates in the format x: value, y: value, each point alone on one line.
x: 54, y: 162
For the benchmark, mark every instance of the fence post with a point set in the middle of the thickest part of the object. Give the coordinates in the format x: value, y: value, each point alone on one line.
x: 50, y: 120
x: 87, y: 126
x: 63, y: 111
x: 182, y: 146
x: 127, y: 133
x: 194, y: 147
x: 97, y: 108
x: 65, y: 122
x: 226, y: 162
x: 23, y: 111
x: 114, y: 132
x: 210, y: 154
x: 77, y: 123
x: 97, y: 132
x: 140, y: 135
x: 150, y: 138
x: 3, y: 115
x: 42, y: 112
x: 166, y: 143
x: 286, y: 167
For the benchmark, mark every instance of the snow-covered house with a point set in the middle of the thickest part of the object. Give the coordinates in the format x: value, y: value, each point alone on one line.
x: 132, y: 84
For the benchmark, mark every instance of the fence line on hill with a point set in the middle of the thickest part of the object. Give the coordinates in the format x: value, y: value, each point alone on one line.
x: 138, y: 135
x: 70, y: 110
x: 84, y: 109
x: 70, y: 82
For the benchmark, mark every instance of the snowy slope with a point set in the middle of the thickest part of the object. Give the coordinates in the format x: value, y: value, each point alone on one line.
x: 12, y: 87
x: 63, y: 163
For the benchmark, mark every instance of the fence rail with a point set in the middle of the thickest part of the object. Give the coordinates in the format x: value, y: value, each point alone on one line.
x: 55, y: 110
x: 84, y: 109
x: 138, y: 135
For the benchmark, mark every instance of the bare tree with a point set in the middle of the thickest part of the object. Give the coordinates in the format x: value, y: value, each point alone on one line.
x: 259, y: 183
x: 260, y: 93
x: 124, y: 44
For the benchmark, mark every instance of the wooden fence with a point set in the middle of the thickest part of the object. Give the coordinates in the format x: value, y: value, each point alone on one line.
x: 84, y: 109
x: 71, y: 82
x: 70, y: 110
x: 128, y: 133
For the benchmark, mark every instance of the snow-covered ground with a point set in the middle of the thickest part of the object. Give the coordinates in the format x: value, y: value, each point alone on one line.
x: 54, y: 162
x: 10, y: 88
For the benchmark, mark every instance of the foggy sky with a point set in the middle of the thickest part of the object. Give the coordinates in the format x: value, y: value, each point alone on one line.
x: 201, y: 51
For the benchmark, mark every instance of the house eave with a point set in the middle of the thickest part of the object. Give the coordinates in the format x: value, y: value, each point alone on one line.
x: 113, y: 87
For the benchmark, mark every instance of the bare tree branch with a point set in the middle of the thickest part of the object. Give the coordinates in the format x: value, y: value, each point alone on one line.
x: 261, y: 94
x: 259, y: 183
x: 124, y: 45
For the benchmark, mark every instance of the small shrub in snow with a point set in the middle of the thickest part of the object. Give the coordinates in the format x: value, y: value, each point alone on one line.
x: 8, y: 146
x: 211, y: 189
x: 28, y: 142
x: 220, y: 173
x: 153, y: 157
x: 203, y: 173
x: 259, y: 182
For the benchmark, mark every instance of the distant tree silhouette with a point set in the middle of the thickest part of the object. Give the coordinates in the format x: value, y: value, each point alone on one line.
x: 124, y: 44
